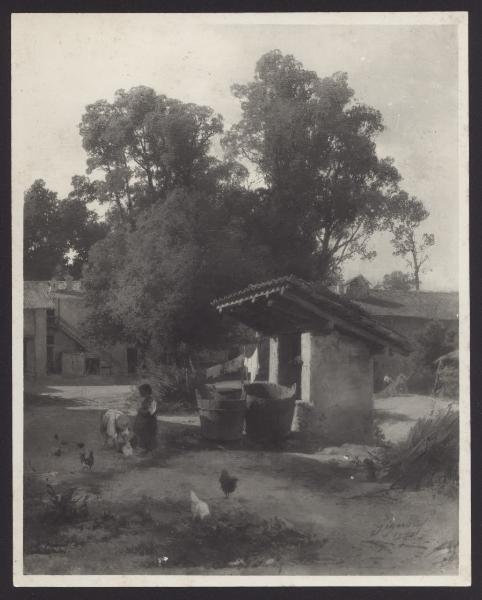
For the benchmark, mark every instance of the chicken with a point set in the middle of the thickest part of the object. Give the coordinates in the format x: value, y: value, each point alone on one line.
x: 59, y: 441
x: 199, y: 509
x: 87, y: 461
x: 81, y: 445
x: 228, y: 483
x: 127, y: 449
x: 56, y: 451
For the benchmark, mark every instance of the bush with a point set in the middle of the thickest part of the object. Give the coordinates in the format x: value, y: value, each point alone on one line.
x: 65, y: 506
x: 421, y: 380
x: 240, y: 537
x: 429, y: 455
x: 448, y: 382
x: 173, y: 385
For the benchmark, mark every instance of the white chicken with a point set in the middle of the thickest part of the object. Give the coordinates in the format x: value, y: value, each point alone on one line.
x: 199, y: 509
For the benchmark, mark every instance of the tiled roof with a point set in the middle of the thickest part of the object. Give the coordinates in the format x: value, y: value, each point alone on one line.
x: 319, y: 296
x: 36, y: 294
x: 425, y: 305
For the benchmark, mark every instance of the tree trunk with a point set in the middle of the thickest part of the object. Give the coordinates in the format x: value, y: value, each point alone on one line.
x: 416, y: 265
x: 416, y: 280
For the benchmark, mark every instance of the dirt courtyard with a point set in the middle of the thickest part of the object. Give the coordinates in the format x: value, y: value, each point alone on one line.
x: 292, y: 513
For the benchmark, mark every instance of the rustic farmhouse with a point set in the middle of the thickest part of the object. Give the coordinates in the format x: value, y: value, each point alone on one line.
x: 52, y: 340
x: 406, y: 312
x: 324, y: 343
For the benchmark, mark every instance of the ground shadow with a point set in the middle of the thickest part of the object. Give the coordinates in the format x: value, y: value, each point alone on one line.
x: 388, y: 416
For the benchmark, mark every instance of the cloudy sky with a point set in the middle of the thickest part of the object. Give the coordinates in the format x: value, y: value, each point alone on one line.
x: 409, y: 72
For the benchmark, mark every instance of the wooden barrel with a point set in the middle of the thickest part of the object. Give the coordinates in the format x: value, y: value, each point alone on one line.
x: 222, y: 417
x: 270, y: 409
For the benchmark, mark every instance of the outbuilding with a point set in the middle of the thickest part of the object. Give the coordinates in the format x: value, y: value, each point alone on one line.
x: 324, y: 343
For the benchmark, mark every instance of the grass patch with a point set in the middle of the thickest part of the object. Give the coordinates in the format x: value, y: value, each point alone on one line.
x: 429, y: 456
x: 242, y: 538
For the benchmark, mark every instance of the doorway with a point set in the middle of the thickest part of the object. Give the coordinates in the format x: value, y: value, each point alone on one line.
x: 132, y: 361
x: 290, y: 360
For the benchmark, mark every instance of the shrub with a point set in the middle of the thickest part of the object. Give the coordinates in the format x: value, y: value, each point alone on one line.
x: 65, y: 506
x: 421, y: 380
x: 429, y: 455
x: 448, y: 382
x: 173, y: 385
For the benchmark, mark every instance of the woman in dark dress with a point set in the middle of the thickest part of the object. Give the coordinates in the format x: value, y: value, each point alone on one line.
x: 145, y: 424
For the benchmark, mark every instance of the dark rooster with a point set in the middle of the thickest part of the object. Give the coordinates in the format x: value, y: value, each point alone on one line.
x: 87, y: 461
x: 228, y: 483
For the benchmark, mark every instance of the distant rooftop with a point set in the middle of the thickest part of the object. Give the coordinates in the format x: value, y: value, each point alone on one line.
x: 425, y: 305
x: 36, y: 294
x: 41, y: 294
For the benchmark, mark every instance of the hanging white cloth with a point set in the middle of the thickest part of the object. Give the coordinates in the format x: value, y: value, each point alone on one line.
x: 251, y: 365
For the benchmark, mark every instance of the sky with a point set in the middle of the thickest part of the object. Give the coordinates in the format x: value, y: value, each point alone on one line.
x: 62, y: 62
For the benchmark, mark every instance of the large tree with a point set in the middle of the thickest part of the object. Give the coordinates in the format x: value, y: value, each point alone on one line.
x: 397, y: 280
x: 146, y: 145
x: 181, y: 223
x: 407, y: 242
x: 153, y: 285
x: 327, y: 191
x: 58, y: 233
x: 44, y: 241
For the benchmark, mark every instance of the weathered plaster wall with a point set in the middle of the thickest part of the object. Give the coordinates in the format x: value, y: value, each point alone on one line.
x: 29, y: 357
x: 337, y: 378
x: 40, y: 341
x: 306, y: 367
x: 73, y: 363
x: 28, y: 323
x: 62, y: 344
x: 71, y: 309
x: 274, y: 359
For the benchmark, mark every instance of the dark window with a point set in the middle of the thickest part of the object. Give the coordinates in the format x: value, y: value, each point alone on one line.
x: 131, y: 360
x: 92, y: 366
x: 50, y: 317
x: 50, y: 340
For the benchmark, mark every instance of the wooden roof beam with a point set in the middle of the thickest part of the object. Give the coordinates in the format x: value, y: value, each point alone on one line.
x: 342, y: 324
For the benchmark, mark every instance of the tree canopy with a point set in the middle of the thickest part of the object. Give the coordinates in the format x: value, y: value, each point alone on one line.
x: 407, y: 216
x: 155, y: 283
x: 146, y: 145
x: 327, y: 191
x: 57, y: 233
x: 397, y: 280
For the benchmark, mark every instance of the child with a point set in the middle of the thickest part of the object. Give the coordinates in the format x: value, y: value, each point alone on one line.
x: 145, y: 425
x: 115, y: 428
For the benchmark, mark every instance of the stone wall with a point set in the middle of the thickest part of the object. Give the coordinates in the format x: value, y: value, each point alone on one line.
x: 337, y: 378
